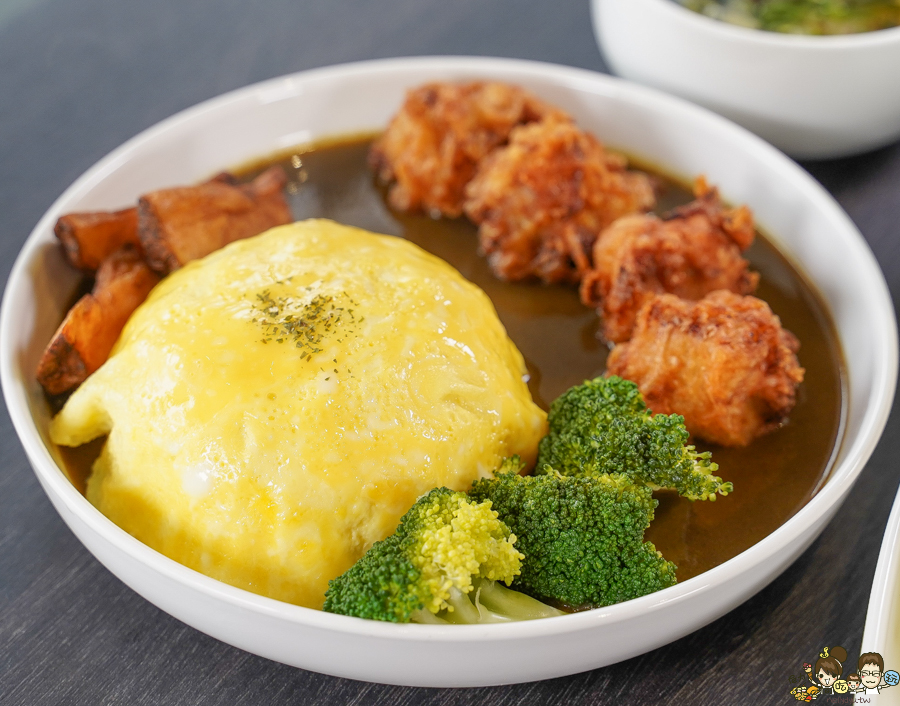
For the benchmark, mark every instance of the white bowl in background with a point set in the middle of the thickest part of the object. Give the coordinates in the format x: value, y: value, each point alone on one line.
x: 681, y: 139
x: 812, y: 96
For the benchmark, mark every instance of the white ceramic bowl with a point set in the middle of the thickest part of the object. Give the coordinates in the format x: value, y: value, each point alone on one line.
x: 882, y: 631
x: 682, y: 139
x: 811, y: 96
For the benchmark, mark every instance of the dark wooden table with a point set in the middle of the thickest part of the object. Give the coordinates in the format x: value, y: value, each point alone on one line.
x: 79, y: 77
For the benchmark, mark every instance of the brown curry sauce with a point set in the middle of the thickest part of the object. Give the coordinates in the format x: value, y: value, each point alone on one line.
x: 773, y: 477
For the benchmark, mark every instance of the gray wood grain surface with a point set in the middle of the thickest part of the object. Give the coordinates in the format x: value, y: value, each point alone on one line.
x: 78, y: 77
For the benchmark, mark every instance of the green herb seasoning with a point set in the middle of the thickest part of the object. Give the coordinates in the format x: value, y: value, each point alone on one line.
x: 803, y: 16
x: 305, y: 323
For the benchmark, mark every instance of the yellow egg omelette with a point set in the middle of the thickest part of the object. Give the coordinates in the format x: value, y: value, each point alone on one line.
x: 274, y: 408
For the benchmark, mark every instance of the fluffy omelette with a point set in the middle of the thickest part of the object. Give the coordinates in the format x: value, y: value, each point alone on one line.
x: 274, y: 408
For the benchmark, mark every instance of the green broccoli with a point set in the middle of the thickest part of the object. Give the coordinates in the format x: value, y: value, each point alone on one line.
x: 803, y: 16
x: 582, y: 537
x: 603, y: 426
x: 573, y: 534
x: 444, y: 563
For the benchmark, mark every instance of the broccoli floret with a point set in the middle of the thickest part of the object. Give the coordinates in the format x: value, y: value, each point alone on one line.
x: 444, y: 563
x: 603, y: 426
x: 582, y: 537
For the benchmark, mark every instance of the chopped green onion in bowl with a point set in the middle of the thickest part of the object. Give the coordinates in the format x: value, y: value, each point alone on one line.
x: 818, y: 17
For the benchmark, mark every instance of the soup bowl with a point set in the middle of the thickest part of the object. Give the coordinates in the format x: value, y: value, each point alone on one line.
x: 812, y: 96
x: 682, y: 139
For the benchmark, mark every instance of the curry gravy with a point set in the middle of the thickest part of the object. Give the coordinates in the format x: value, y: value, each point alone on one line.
x: 773, y: 478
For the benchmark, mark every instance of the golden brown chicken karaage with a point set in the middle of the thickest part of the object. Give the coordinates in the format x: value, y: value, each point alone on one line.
x: 541, y: 201
x: 432, y: 146
x: 694, y: 251
x: 724, y: 363
x: 551, y: 203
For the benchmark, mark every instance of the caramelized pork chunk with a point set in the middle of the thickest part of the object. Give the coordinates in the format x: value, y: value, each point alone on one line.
x: 89, y: 238
x: 694, y: 251
x: 432, y: 146
x: 724, y: 363
x: 185, y: 223
x: 541, y: 201
x: 84, y: 339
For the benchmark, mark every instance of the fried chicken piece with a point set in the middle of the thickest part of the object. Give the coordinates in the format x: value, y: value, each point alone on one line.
x: 542, y: 200
x: 185, y: 223
x: 694, y: 251
x: 724, y: 363
x: 433, y: 145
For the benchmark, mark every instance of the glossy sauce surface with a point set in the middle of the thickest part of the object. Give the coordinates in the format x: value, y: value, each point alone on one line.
x: 773, y: 478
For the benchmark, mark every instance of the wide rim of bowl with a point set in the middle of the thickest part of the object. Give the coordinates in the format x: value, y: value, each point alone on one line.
x: 838, y: 484
x: 765, y: 38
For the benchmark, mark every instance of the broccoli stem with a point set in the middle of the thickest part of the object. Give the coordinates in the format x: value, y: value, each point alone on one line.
x: 501, y: 600
x: 489, y: 602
